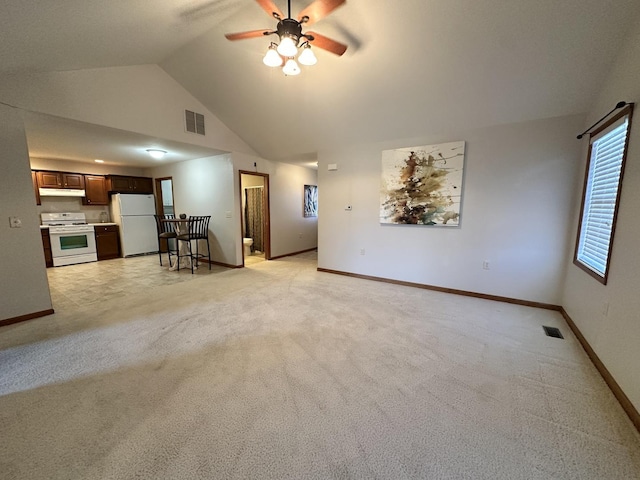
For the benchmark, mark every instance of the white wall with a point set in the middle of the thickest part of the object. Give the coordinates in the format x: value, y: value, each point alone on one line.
x: 23, y: 280
x: 516, y: 204
x: 142, y: 99
x: 205, y: 187
x: 211, y: 186
x: 614, y: 335
x: 291, y: 232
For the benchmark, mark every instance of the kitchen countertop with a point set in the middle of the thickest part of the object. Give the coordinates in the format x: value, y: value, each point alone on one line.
x: 104, y: 224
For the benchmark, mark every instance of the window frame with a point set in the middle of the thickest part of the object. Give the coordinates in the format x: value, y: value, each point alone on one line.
x: 628, y: 112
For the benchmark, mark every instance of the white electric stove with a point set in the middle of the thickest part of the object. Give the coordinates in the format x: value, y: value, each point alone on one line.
x: 72, y: 240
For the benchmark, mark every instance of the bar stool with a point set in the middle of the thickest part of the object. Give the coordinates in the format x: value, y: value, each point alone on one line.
x: 197, y: 229
x: 166, y: 231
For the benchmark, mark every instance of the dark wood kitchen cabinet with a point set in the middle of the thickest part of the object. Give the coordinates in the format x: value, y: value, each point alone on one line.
x: 46, y: 245
x: 107, y: 242
x: 49, y: 179
x: 72, y: 180
x: 95, y: 190
x: 60, y: 180
x: 127, y: 184
x: 34, y: 179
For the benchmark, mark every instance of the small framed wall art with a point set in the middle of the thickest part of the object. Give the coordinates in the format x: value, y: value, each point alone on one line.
x: 310, y: 200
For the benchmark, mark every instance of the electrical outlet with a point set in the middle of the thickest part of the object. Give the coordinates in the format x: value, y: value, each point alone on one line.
x: 228, y: 214
x: 485, y: 265
x: 15, y: 222
x: 362, y: 251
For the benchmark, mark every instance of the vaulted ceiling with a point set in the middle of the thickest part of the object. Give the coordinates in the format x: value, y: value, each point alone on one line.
x: 413, y: 67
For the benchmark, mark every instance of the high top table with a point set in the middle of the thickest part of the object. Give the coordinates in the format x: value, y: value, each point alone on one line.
x: 182, y: 227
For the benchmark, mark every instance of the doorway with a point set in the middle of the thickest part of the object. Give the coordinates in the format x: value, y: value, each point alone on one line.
x: 255, y: 222
x: 165, y: 206
x: 164, y: 196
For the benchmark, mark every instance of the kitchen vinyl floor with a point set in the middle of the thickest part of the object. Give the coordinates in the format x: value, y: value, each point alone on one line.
x: 95, y: 282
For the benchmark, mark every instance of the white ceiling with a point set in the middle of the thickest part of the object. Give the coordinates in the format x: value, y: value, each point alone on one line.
x: 64, y: 139
x: 413, y: 67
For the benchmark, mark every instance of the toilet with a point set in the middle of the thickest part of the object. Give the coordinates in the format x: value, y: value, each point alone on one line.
x: 247, y: 246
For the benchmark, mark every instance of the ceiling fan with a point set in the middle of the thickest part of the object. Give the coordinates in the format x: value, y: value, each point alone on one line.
x: 289, y: 30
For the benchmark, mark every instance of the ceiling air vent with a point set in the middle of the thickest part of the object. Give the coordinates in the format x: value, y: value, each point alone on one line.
x: 194, y: 122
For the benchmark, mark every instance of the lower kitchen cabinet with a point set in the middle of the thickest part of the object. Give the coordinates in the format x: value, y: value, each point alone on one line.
x: 107, y: 242
x: 46, y: 245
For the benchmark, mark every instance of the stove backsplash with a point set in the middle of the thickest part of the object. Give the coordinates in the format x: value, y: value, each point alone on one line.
x: 73, y: 204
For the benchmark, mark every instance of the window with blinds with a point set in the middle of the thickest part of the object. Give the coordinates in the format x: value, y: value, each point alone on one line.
x: 607, y: 154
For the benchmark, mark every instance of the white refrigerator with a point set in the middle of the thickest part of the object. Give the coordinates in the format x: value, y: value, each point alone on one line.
x: 134, y: 214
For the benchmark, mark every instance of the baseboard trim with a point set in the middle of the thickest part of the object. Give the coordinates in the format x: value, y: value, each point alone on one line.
x: 516, y: 301
x: 220, y: 264
x: 626, y: 404
x: 24, y: 318
x: 294, y: 253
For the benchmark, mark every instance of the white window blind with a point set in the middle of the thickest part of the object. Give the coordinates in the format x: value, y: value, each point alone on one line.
x: 601, y: 193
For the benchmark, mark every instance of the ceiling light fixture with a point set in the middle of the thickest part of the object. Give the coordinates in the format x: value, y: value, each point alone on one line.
x: 291, y: 67
x: 272, y: 58
x: 156, y: 153
x: 291, y: 39
x: 307, y: 57
x: 290, y: 32
x: 97, y: 160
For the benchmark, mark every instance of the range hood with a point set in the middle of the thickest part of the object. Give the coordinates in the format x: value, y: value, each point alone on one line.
x: 61, y: 192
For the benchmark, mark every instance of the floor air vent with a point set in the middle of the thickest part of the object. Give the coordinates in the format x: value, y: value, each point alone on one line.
x: 194, y: 122
x: 552, y: 332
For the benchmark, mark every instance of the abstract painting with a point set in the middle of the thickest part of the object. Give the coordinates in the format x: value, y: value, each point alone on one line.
x: 422, y: 185
x: 310, y: 200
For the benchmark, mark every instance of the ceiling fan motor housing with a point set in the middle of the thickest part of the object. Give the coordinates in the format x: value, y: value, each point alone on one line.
x: 289, y: 28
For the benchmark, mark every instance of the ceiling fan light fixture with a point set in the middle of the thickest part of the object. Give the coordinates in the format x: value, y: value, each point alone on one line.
x: 156, y: 153
x: 272, y: 58
x: 307, y: 57
x: 291, y: 67
x: 287, y: 47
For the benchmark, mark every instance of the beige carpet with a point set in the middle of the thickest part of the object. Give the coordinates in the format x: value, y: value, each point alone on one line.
x: 278, y: 371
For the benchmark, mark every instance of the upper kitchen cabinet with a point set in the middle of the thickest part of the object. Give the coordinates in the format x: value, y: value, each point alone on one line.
x: 34, y: 178
x: 72, y: 180
x: 60, y: 180
x: 96, y: 192
x: 124, y: 184
x: 49, y: 179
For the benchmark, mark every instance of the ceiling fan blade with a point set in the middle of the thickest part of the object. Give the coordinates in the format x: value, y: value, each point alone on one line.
x: 271, y: 8
x: 326, y: 43
x: 251, y: 34
x: 318, y: 10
